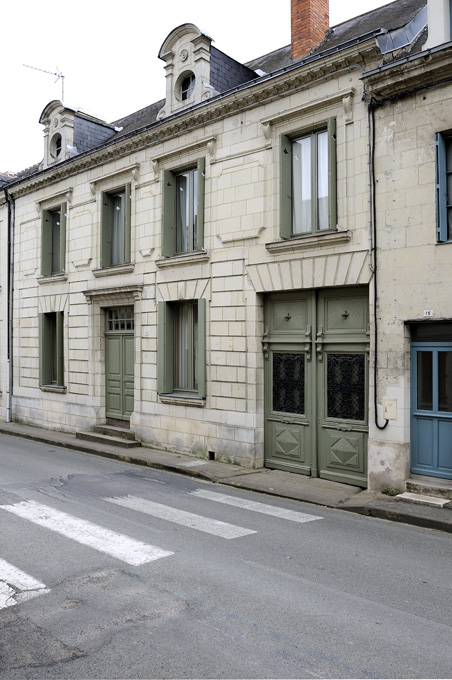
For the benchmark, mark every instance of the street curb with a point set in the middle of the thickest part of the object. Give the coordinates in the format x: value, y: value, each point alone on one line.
x: 111, y: 455
x: 409, y: 514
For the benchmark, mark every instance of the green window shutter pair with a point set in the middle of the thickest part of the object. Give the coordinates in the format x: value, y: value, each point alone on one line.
x: 106, y: 227
x: 169, y: 200
x: 48, y: 257
x: 286, y: 188
x: 441, y: 188
x: 51, y: 349
x: 165, y: 356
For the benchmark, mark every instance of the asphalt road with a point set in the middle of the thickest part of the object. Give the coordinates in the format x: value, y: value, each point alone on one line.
x: 113, y: 571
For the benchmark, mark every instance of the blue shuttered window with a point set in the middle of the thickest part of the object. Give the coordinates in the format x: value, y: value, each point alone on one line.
x: 443, y: 187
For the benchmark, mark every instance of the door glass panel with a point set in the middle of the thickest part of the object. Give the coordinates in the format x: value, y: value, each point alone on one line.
x: 445, y: 381
x: 346, y: 387
x: 120, y: 319
x: 288, y: 383
x: 425, y: 381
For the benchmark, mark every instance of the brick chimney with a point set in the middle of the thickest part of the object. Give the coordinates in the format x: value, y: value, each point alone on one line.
x: 310, y: 21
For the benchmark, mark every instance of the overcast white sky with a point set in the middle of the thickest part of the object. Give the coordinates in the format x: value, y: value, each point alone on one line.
x: 108, y: 54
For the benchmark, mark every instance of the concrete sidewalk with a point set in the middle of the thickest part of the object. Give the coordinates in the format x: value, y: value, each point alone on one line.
x: 273, y: 482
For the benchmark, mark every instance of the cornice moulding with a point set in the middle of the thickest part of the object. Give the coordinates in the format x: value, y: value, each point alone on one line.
x: 321, y: 102
x: 123, y: 293
x: 132, y: 170
x: 409, y: 75
x: 257, y: 93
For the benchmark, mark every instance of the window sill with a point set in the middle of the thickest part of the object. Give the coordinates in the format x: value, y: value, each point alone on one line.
x: 114, y: 269
x: 182, y: 400
x: 183, y: 259
x: 53, y: 278
x: 330, y: 238
x: 58, y: 389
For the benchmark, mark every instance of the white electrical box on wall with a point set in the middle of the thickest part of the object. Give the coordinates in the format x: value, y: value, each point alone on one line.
x: 390, y: 409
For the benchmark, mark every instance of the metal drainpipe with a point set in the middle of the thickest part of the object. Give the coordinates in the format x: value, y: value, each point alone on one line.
x: 374, y: 269
x: 11, y: 218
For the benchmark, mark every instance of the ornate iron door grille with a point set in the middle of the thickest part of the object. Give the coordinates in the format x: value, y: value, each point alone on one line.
x: 346, y: 389
x: 288, y: 383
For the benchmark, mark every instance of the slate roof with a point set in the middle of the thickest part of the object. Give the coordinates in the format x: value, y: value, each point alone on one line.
x: 390, y: 17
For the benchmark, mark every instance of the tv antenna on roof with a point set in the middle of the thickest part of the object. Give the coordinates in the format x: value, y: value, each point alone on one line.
x: 58, y: 74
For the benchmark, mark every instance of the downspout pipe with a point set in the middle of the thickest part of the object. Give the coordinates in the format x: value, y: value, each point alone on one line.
x: 372, y: 189
x: 11, y: 220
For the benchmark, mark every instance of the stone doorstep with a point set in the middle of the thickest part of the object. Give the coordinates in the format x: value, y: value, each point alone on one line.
x: 430, y: 486
x: 433, y: 501
x: 98, y: 438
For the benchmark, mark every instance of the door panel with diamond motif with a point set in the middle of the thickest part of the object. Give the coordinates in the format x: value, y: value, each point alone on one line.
x: 316, y: 392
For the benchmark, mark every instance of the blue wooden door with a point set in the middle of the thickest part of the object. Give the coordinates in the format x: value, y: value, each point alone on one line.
x: 431, y: 409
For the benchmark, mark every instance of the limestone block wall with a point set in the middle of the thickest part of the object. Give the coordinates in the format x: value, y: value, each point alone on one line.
x: 415, y: 272
x: 238, y: 268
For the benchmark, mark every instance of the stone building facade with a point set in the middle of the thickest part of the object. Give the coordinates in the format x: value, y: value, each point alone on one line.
x: 243, y: 270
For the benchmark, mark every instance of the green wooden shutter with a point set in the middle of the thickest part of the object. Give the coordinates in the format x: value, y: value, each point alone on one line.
x: 165, y: 351
x: 63, y: 218
x: 332, y: 174
x: 202, y: 348
x: 42, y: 353
x: 169, y: 214
x: 127, y: 222
x: 46, y: 243
x: 441, y: 187
x: 105, y: 231
x: 59, y: 346
x: 285, y: 187
x: 201, y: 168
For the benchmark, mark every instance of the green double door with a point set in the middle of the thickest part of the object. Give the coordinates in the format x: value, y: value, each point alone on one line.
x: 316, y: 347
x: 119, y: 363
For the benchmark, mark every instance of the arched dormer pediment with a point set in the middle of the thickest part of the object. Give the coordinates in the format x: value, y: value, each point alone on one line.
x: 187, y: 56
x: 58, y: 121
x: 184, y: 31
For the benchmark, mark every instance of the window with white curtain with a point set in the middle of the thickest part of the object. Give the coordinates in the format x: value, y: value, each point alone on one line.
x: 308, y: 182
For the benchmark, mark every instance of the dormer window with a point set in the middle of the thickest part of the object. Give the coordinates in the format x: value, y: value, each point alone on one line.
x: 55, y: 146
x: 187, y: 86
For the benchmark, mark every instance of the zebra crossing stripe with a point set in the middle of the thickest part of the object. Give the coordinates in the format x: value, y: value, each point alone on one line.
x: 263, y: 508
x: 92, y: 535
x: 186, y: 519
x: 16, y: 586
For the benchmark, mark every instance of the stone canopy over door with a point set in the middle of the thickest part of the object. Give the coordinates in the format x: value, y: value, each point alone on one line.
x: 316, y: 383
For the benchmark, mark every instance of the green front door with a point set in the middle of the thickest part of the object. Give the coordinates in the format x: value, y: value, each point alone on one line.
x: 119, y: 363
x: 316, y: 383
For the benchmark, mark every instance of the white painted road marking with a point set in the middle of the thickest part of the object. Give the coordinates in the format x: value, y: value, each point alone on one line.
x: 117, y: 545
x: 186, y: 519
x: 255, y: 507
x: 17, y: 586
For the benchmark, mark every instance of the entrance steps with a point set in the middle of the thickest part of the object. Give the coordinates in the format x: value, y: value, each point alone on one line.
x: 430, y: 491
x: 109, y: 434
